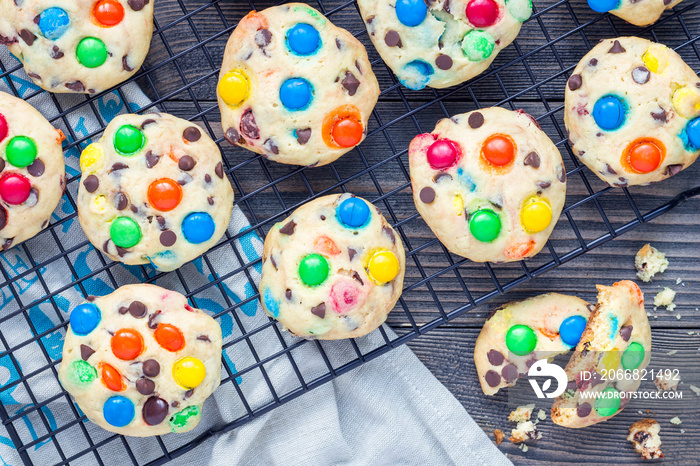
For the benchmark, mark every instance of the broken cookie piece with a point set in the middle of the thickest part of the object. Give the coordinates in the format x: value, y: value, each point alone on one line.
x: 665, y: 384
x: 644, y: 435
x: 649, y: 261
x: 498, y: 435
x: 665, y: 298
x: 521, y: 413
x: 524, y: 432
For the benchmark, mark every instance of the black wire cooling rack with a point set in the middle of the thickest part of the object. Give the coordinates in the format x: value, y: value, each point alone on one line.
x: 180, y: 76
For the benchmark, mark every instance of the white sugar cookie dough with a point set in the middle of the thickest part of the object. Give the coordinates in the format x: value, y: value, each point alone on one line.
x: 489, y: 183
x: 617, y: 340
x: 294, y: 87
x: 141, y: 361
x: 518, y: 334
x: 153, y: 190
x: 639, y: 13
x: 32, y: 171
x: 333, y: 269
x: 444, y: 43
x: 83, y: 46
x: 632, y: 110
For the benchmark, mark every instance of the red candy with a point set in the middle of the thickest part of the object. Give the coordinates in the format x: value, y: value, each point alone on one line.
x: 482, y: 13
x: 164, y: 194
x: 498, y: 149
x: 127, y: 344
x: 442, y: 154
x: 3, y: 127
x: 112, y: 378
x: 345, y: 296
x: 108, y: 12
x: 169, y: 337
x: 14, y: 188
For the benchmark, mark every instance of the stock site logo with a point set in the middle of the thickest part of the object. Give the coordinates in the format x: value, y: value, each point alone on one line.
x: 543, y: 369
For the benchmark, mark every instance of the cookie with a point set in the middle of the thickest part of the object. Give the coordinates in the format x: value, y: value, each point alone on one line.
x: 441, y: 43
x: 32, y: 171
x: 633, y: 11
x: 518, y: 334
x: 489, y: 183
x: 333, y: 269
x: 294, y: 87
x: 632, y: 110
x: 141, y: 361
x: 153, y: 190
x: 644, y: 435
x: 609, y: 360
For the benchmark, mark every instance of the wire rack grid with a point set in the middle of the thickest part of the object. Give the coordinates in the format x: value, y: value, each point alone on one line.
x: 180, y: 76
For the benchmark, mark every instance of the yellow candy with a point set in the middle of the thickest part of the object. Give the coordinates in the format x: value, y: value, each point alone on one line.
x: 99, y: 204
x: 383, y: 266
x: 655, y: 58
x: 536, y: 214
x: 189, y: 372
x: 611, y: 360
x: 234, y: 88
x: 458, y: 203
x: 92, y: 158
x: 686, y: 101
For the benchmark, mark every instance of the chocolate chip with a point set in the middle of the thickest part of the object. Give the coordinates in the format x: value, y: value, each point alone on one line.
x: 248, y: 125
x: 544, y: 184
x: 617, y: 48
x: 219, y: 170
x: 427, y: 195
x: 303, y: 135
x: 288, y: 229
x: 641, y: 75
x: 118, y: 166
x: 168, y: 238
x: 145, y: 387
x: 323, y: 217
x: 392, y: 39
x: 121, y: 201
x: 583, y: 410
x: 626, y: 332
x: 154, y: 410
x: 56, y: 53
x: 27, y: 36
x: 7, y: 244
x: 493, y: 379
x: 76, y: 86
x: 3, y: 217
x: 125, y: 64
x: 351, y: 253
x: 210, y: 200
x: 273, y: 262
x: 147, y: 122
x: 532, y: 159
x: 440, y: 176
x: 263, y: 38
x: 350, y: 83
x: 233, y: 136
x: 186, y: 163
x: 36, y: 169
x: 184, y: 179
x: 2, y: 164
x: 150, y: 367
x: 475, y: 120
x: 357, y: 277
x: 288, y: 294
x: 32, y: 199
x: 319, y: 311
x: 610, y: 169
x: 91, y: 183
x: 509, y: 372
x: 575, y: 82
x: 659, y: 115
x: 495, y: 357
x: 175, y: 404
x: 137, y: 5
x: 137, y: 309
x: 34, y: 76
x: 270, y: 145
x: 191, y: 134
x: 189, y: 393
x: 86, y: 352
x: 387, y: 230
x: 673, y: 169
x: 593, y: 62
x: 562, y: 175
x: 123, y: 310
x: 152, y: 320
x: 443, y: 62
x: 203, y: 338
x: 207, y: 178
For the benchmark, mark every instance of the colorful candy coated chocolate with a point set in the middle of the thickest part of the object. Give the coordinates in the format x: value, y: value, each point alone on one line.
x: 609, y: 112
x: 91, y: 52
x: 478, y: 45
x: 53, y: 22
x: 609, y: 402
x: 234, y: 88
x: 686, y: 101
x: 99, y: 204
x: 383, y: 266
x: 458, y: 204
x: 180, y: 419
x: 416, y: 74
x: 353, y: 212
x: 84, y: 319
x: 118, y: 411
x: 347, y: 132
x: 3, y: 127
x: 14, y: 188
x: 498, y: 150
x: 603, y: 6
x: 125, y: 232
x: 411, y: 12
x: 271, y: 303
x: 164, y: 194
x: 92, y: 158
x: 521, y: 339
x: 644, y: 155
x: 442, y: 154
x: 112, y: 378
x: 655, y: 58
x: 81, y: 372
x: 633, y: 356
x: 296, y: 93
x: 189, y: 372
x: 521, y: 10
x: 610, y: 360
x: 313, y: 269
x: 128, y: 140
x: 325, y: 245
x: 693, y: 132
x: 485, y: 225
x: 345, y: 296
x: 198, y: 227
x: 482, y: 13
x: 127, y: 344
x: 21, y: 151
x: 169, y: 337
x: 536, y: 215
x: 154, y: 410
x: 108, y: 13
x: 571, y: 329
x: 303, y: 39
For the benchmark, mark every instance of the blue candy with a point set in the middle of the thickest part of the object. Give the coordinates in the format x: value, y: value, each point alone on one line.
x: 693, y: 131
x: 353, y: 212
x: 271, y: 303
x: 609, y: 112
x: 571, y: 329
x: 603, y: 6
x: 53, y: 22
x: 118, y: 411
x: 416, y: 74
x: 84, y: 318
x: 411, y: 12
x: 198, y: 227
x: 303, y: 39
x: 296, y: 94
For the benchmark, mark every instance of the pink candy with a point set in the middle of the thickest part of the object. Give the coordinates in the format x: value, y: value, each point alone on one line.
x: 442, y: 154
x: 482, y: 13
x: 345, y: 296
x: 3, y: 127
x: 14, y: 188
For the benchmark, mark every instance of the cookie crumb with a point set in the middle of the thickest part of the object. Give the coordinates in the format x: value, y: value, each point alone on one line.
x: 665, y: 384
x: 498, y: 435
x: 672, y: 352
x: 524, y: 447
x: 541, y: 415
x: 676, y: 421
x: 665, y: 298
x: 521, y: 413
x: 678, y: 281
x: 525, y: 431
x: 695, y: 390
x: 644, y: 435
x: 649, y: 261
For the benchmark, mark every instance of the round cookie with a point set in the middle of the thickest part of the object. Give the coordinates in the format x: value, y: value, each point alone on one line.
x: 633, y: 11
x: 632, y: 110
x: 83, y: 46
x: 444, y: 43
x: 294, y: 87
x: 32, y: 171
x: 617, y: 338
x: 153, y: 190
x: 141, y: 361
x: 333, y: 269
x: 489, y: 183
x: 518, y: 334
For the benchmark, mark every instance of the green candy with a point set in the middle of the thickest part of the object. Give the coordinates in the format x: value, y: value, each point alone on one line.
x: 21, y: 151
x: 520, y: 9
x: 128, y: 140
x: 485, y: 225
x: 633, y: 356
x: 521, y: 339
x: 125, y: 232
x: 91, y: 52
x: 313, y: 269
x: 607, y: 405
x: 478, y: 45
x: 180, y: 419
x: 81, y: 372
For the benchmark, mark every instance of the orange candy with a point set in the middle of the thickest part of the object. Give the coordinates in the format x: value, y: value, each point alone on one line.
x: 127, y: 344
x: 342, y: 127
x: 108, y: 12
x: 164, y: 194
x: 347, y: 132
x: 325, y: 245
x: 112, y: 378
x: 169, y: 337
x: 498, y: 149
x: 643, y: 155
